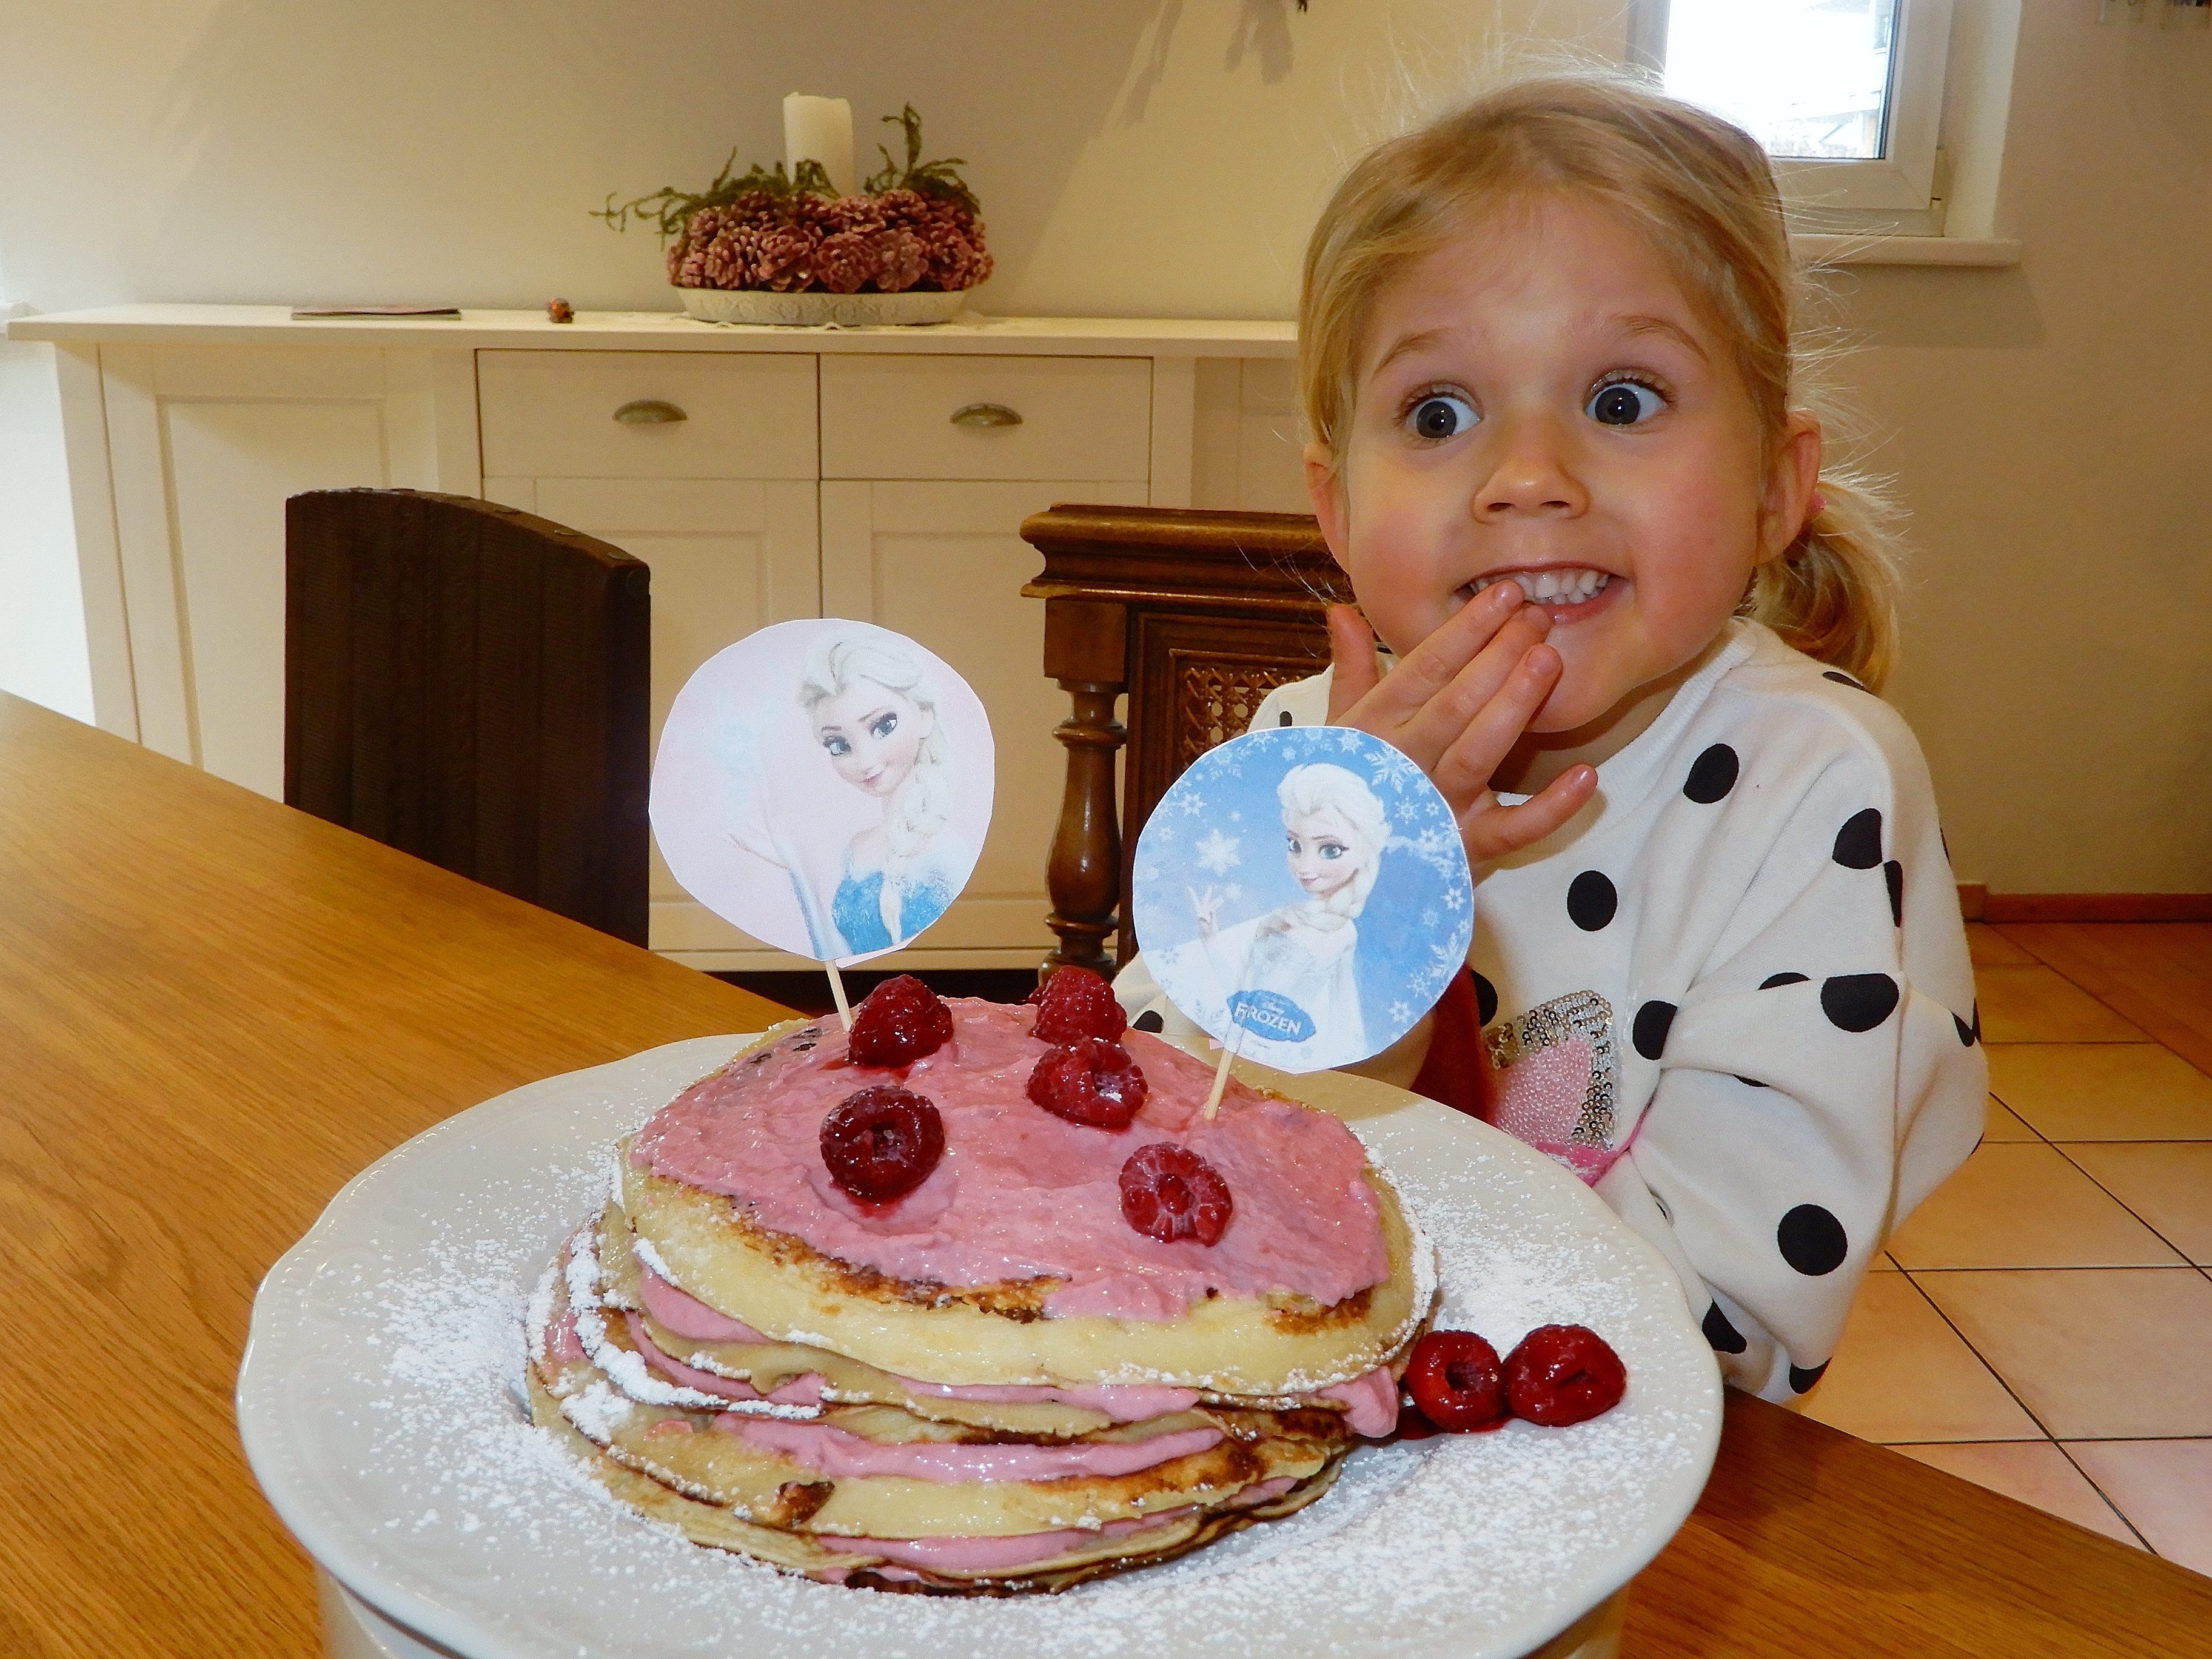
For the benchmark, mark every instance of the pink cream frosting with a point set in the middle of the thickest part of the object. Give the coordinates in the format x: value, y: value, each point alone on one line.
x: 684, y: 1315
x: 1371, y: 1403
x: 842, y: 1455
x: 796, y: 1391
x: 1021, y: 1193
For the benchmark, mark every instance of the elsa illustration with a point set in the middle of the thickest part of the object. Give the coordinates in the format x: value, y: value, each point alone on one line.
x: 873, y: 710
x: 1335, y: 831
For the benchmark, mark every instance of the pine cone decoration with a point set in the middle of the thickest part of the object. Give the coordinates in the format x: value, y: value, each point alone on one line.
x: 851, y: 213
x: 901, y: 260
x: 786, y: 260
x: 847, y: 261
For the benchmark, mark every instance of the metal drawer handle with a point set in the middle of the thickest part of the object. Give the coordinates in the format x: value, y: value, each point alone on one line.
x: 649, y: 411
x: 985, y: 415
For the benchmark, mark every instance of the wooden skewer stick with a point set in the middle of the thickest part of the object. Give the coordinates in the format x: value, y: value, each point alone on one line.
x: 1221, y: 1071
x: 837, y: 991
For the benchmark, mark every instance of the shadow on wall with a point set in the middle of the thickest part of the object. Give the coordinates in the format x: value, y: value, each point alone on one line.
x: 451, y: 154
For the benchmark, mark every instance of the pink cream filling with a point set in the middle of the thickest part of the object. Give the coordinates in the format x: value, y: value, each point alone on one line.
x: 991, y: 1554
x: 1371, y: 1403
x: 840, y: 1455
x: 1021, y: 1193
x: 799, y: 1391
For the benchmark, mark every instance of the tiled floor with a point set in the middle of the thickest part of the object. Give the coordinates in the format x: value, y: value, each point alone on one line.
x: 2042, y: 1325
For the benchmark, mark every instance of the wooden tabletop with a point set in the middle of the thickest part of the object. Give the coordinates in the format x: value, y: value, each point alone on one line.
x: 214, y: 1011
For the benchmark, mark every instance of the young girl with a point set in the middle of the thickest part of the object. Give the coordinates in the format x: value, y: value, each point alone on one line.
x: 1334, y: 833
x: 1559, y: 449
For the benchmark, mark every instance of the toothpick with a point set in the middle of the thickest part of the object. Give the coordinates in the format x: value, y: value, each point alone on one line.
x: 1221, y: 1071
x: 837, y: 991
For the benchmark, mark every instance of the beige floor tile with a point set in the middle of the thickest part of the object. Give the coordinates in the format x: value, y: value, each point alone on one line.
x: 2167, y: 1182
x: 1990, y: 948
x: 2103, y: 1090
x: 2164, y: 1486
x: 2097, y: 1353
x: 2034, y: 1472
x: 2004, y: 1124
x: 1882, y: 1263
x: 2023, y: 1003
x: 1901, y: 1374
x: 2021, y: 1204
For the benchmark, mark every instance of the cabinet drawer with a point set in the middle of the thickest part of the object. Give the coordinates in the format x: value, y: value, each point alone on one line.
x: 552, y: 414
x: 1076, y: 417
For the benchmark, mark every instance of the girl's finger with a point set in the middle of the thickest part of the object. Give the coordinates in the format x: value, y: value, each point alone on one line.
x: 1491, y: 833
x: 1463, y: 771
x: 1352, y: 655
x: 1432, y: 665
x: 1452, y: 710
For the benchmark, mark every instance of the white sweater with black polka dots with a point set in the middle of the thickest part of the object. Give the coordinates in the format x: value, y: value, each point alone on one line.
x: 1753, y: 935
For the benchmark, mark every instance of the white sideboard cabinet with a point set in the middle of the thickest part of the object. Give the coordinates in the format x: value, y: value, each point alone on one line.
x: 762, y: 474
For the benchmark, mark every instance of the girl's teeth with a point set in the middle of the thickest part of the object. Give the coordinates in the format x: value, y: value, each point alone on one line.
x: 1554, y: 586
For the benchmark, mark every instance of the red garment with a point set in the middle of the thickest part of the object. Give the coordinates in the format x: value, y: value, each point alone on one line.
x: 1456, y: 1072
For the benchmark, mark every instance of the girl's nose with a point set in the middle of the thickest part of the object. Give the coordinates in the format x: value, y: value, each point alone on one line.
x: 1530, y: 478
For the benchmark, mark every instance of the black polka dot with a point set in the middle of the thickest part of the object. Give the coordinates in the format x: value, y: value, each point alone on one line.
x: 1802, y: 1378
x: 1812, y: 1240
x: 1945, y: 839
x: 1649, y: 1031
x: 1858, y: 843
x: 1749, y: 1081
x: 1966, y: 1032
x: 1149, y: 1020
x: 1723, y: 1336
x: 1773, y: 980
x: 1712, y: 775
x: 1485, y: 1000
x: 1591, y: 901
x: 1842, y: 679
x: 1894, y: 873
x: 1858, y: 1002
x: 1283, y: 718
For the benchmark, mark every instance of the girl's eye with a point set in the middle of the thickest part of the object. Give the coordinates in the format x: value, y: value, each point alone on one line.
x: 1623, y: 403
x: 837, y: 745
x: 1291, y: 844
x: 1332, y: 849
x: 884, y: 726
x: 1439, y: 416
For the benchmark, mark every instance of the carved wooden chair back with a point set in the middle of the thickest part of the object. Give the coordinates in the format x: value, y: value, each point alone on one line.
x: 470, y: 683
x: 1193, y: 614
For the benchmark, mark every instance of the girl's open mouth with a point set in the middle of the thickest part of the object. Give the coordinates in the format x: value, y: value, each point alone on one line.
x: 1570, y: 593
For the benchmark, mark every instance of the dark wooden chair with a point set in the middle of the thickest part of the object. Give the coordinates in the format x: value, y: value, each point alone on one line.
x: 1195, y: 616
x: 469, y: 684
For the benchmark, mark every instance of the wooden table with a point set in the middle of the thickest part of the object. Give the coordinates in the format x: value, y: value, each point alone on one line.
x: 214, y: 1011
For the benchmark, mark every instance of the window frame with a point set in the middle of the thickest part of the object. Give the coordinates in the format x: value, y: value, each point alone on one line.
x: 1900, y: 191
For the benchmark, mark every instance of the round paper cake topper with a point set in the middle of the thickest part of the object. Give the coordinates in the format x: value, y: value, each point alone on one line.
x: 825, y: 785
x: 1305, y: 888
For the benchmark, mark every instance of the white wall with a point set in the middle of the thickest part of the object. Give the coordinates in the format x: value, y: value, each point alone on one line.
x: 1166, y: 156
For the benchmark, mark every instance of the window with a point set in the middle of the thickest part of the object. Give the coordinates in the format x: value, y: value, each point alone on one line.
x: 1845, y: 94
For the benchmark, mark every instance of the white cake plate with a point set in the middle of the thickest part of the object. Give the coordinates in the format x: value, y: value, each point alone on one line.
x: 379, y: 1403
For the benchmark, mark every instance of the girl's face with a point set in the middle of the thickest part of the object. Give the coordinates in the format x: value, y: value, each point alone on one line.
x: 872, y: 734
x: 1540, y: 402
x: 1322, y: 854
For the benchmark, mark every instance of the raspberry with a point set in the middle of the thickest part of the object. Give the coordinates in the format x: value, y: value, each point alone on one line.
x: 1076, y: 1003
x: 1169, y: 1192
x: 1455, y: 1380
x: 1091, y: 1082
x: 1563, y: 1374
x: 883, y: 1142
x: 900, y: 1021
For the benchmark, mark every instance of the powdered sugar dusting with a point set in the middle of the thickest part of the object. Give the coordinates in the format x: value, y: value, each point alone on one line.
x: 382, y: 1411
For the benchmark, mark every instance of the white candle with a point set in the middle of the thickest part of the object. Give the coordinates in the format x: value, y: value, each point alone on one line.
x: 819, y: 130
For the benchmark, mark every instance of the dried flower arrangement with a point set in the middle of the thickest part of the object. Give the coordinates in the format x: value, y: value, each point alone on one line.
x: 912, y: 228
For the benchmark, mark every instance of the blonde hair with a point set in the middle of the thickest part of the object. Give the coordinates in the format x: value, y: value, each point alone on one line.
x: 1703, y: 192
x: 1308, y: 791
x: 921, y: 805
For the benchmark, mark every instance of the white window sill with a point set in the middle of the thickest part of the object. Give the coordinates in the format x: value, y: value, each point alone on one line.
x: 1986, y: 252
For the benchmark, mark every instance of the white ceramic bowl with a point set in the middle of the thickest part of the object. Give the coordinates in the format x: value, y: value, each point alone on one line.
x: 816, y: 310
x: 379, y: 1405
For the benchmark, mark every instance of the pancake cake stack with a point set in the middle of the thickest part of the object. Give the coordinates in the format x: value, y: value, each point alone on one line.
x: 976, y: 1299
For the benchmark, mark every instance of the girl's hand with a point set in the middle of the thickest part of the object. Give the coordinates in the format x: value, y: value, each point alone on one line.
x: 1456, y: 705
x: 764, y: 850
x: 1205, y: 910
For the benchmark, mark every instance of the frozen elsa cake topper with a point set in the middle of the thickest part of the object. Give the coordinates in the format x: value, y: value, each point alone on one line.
x: 825, y: 785
x: 1302, y: 895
